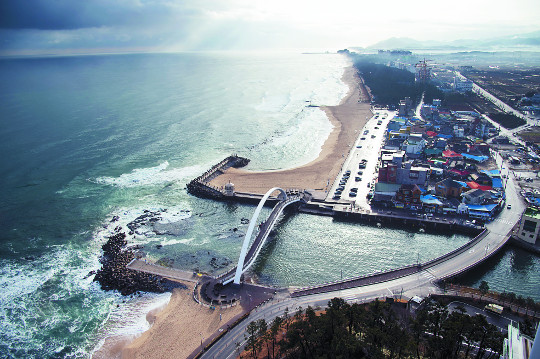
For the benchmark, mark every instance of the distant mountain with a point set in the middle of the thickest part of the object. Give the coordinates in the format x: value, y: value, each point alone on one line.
x: 514, y: 42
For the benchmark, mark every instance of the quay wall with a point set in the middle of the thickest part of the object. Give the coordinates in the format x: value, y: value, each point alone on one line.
x: 395, y: 220
x: 524, y: 245
x: 200, y: 186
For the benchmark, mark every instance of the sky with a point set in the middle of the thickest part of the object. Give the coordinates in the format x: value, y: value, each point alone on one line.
x: 81, y: 26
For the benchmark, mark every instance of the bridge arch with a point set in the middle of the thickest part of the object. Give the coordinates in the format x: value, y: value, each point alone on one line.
x: 239, y: 268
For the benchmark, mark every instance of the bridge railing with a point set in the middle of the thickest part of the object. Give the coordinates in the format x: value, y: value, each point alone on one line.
x: 390, y: 274
x: 269, y: 225
x: 455, y: 252
x: 261, y: 236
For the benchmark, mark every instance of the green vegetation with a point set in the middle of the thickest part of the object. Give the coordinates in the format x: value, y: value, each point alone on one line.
x: 484, y: 288
x: 374, y: 330
x: 388, y: 85
x: 507, y: 120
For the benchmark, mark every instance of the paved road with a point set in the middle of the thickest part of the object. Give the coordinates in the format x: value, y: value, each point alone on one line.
x: 225, y: 348
x: 420, y: 283
x: 367, y: 147
x: 531, y: 121
x: 498, y: 320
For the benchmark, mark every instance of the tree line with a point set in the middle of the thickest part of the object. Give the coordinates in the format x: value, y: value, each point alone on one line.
x: 374, y: 330
x: 389, y: 85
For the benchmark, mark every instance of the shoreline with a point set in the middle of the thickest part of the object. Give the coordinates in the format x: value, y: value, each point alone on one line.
x: 176, y: 329
x: 347, y: 119
x: 173, y: 331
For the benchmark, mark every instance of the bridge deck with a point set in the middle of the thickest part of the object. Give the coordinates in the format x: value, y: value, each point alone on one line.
x: 165, y: 272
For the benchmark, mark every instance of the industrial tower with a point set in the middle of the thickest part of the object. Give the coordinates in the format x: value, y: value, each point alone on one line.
x: 423, y: 71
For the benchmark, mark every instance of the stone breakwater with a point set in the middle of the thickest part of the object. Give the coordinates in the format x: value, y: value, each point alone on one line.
x: 200, y: 186
x: 114, y: 275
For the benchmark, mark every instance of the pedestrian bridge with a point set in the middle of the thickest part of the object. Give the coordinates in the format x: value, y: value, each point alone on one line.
x: 248, y: 254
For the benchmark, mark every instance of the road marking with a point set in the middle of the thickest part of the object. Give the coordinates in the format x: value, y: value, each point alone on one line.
x: 426, y: 274
x: 504, y: 221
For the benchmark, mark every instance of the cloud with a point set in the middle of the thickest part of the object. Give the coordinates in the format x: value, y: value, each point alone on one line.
x: 70, y: 14
x: 250, y: 24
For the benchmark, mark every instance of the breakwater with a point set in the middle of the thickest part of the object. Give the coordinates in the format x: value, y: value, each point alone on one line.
x: 200, y: 186
x: 115, y: 275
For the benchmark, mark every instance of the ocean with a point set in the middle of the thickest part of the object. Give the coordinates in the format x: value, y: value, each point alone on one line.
x: 88, y: 138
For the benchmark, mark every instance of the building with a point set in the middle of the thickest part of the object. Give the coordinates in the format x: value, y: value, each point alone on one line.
x: 408, y: 196
x: 449, y: 188
x: 459, y: 131
x: 423, y: 72
x: 414, y: 145
x: 462, y: 85
x: 482, y: 179
x: 529, y: 226
x: 385, y: 192
x: 431, y: 204
x: 519, y: 346
x: 476, y: 197
x: 407, y: 174
x: 388, y: 173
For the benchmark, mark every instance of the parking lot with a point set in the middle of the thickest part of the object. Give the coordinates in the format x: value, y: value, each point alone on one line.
x: 359, y: 170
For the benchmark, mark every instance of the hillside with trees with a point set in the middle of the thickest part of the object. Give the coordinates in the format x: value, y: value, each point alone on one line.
x: 374, y: 330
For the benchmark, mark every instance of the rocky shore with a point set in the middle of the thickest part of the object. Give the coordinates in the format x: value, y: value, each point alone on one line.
x: 114, y: 275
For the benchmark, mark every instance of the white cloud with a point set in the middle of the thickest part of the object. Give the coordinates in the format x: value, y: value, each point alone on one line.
x: 244, y: 24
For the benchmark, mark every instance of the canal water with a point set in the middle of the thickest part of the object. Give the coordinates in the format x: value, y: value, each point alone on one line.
x: 90, y: 138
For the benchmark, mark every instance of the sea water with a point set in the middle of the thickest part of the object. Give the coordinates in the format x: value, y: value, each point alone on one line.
x: 86, y: 139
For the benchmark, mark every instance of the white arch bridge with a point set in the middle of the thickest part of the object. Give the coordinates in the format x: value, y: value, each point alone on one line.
x: 248, y: 256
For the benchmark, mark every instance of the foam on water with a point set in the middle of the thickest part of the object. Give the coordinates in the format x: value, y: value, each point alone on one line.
x: 171, y: 242
x: 54, y: 293
x: 152, y: 176
x: 286, y: 107
x: 128, y: 320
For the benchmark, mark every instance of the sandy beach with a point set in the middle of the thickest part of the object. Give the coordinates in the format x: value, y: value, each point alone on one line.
x: 347, y: 119
x: 178, y: 329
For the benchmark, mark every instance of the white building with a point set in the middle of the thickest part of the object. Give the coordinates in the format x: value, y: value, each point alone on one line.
x: 459, y: 131
x: 529, y: 226
x: 462, y: 86
x: 414, y: 144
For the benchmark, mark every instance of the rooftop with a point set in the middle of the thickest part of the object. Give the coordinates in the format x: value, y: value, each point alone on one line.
x: 533, y: 212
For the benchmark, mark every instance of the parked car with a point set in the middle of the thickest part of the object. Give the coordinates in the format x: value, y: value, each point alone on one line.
x: 357, y: 179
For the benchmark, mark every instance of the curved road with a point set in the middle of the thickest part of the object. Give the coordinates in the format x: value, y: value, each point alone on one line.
x: 420, y: 283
